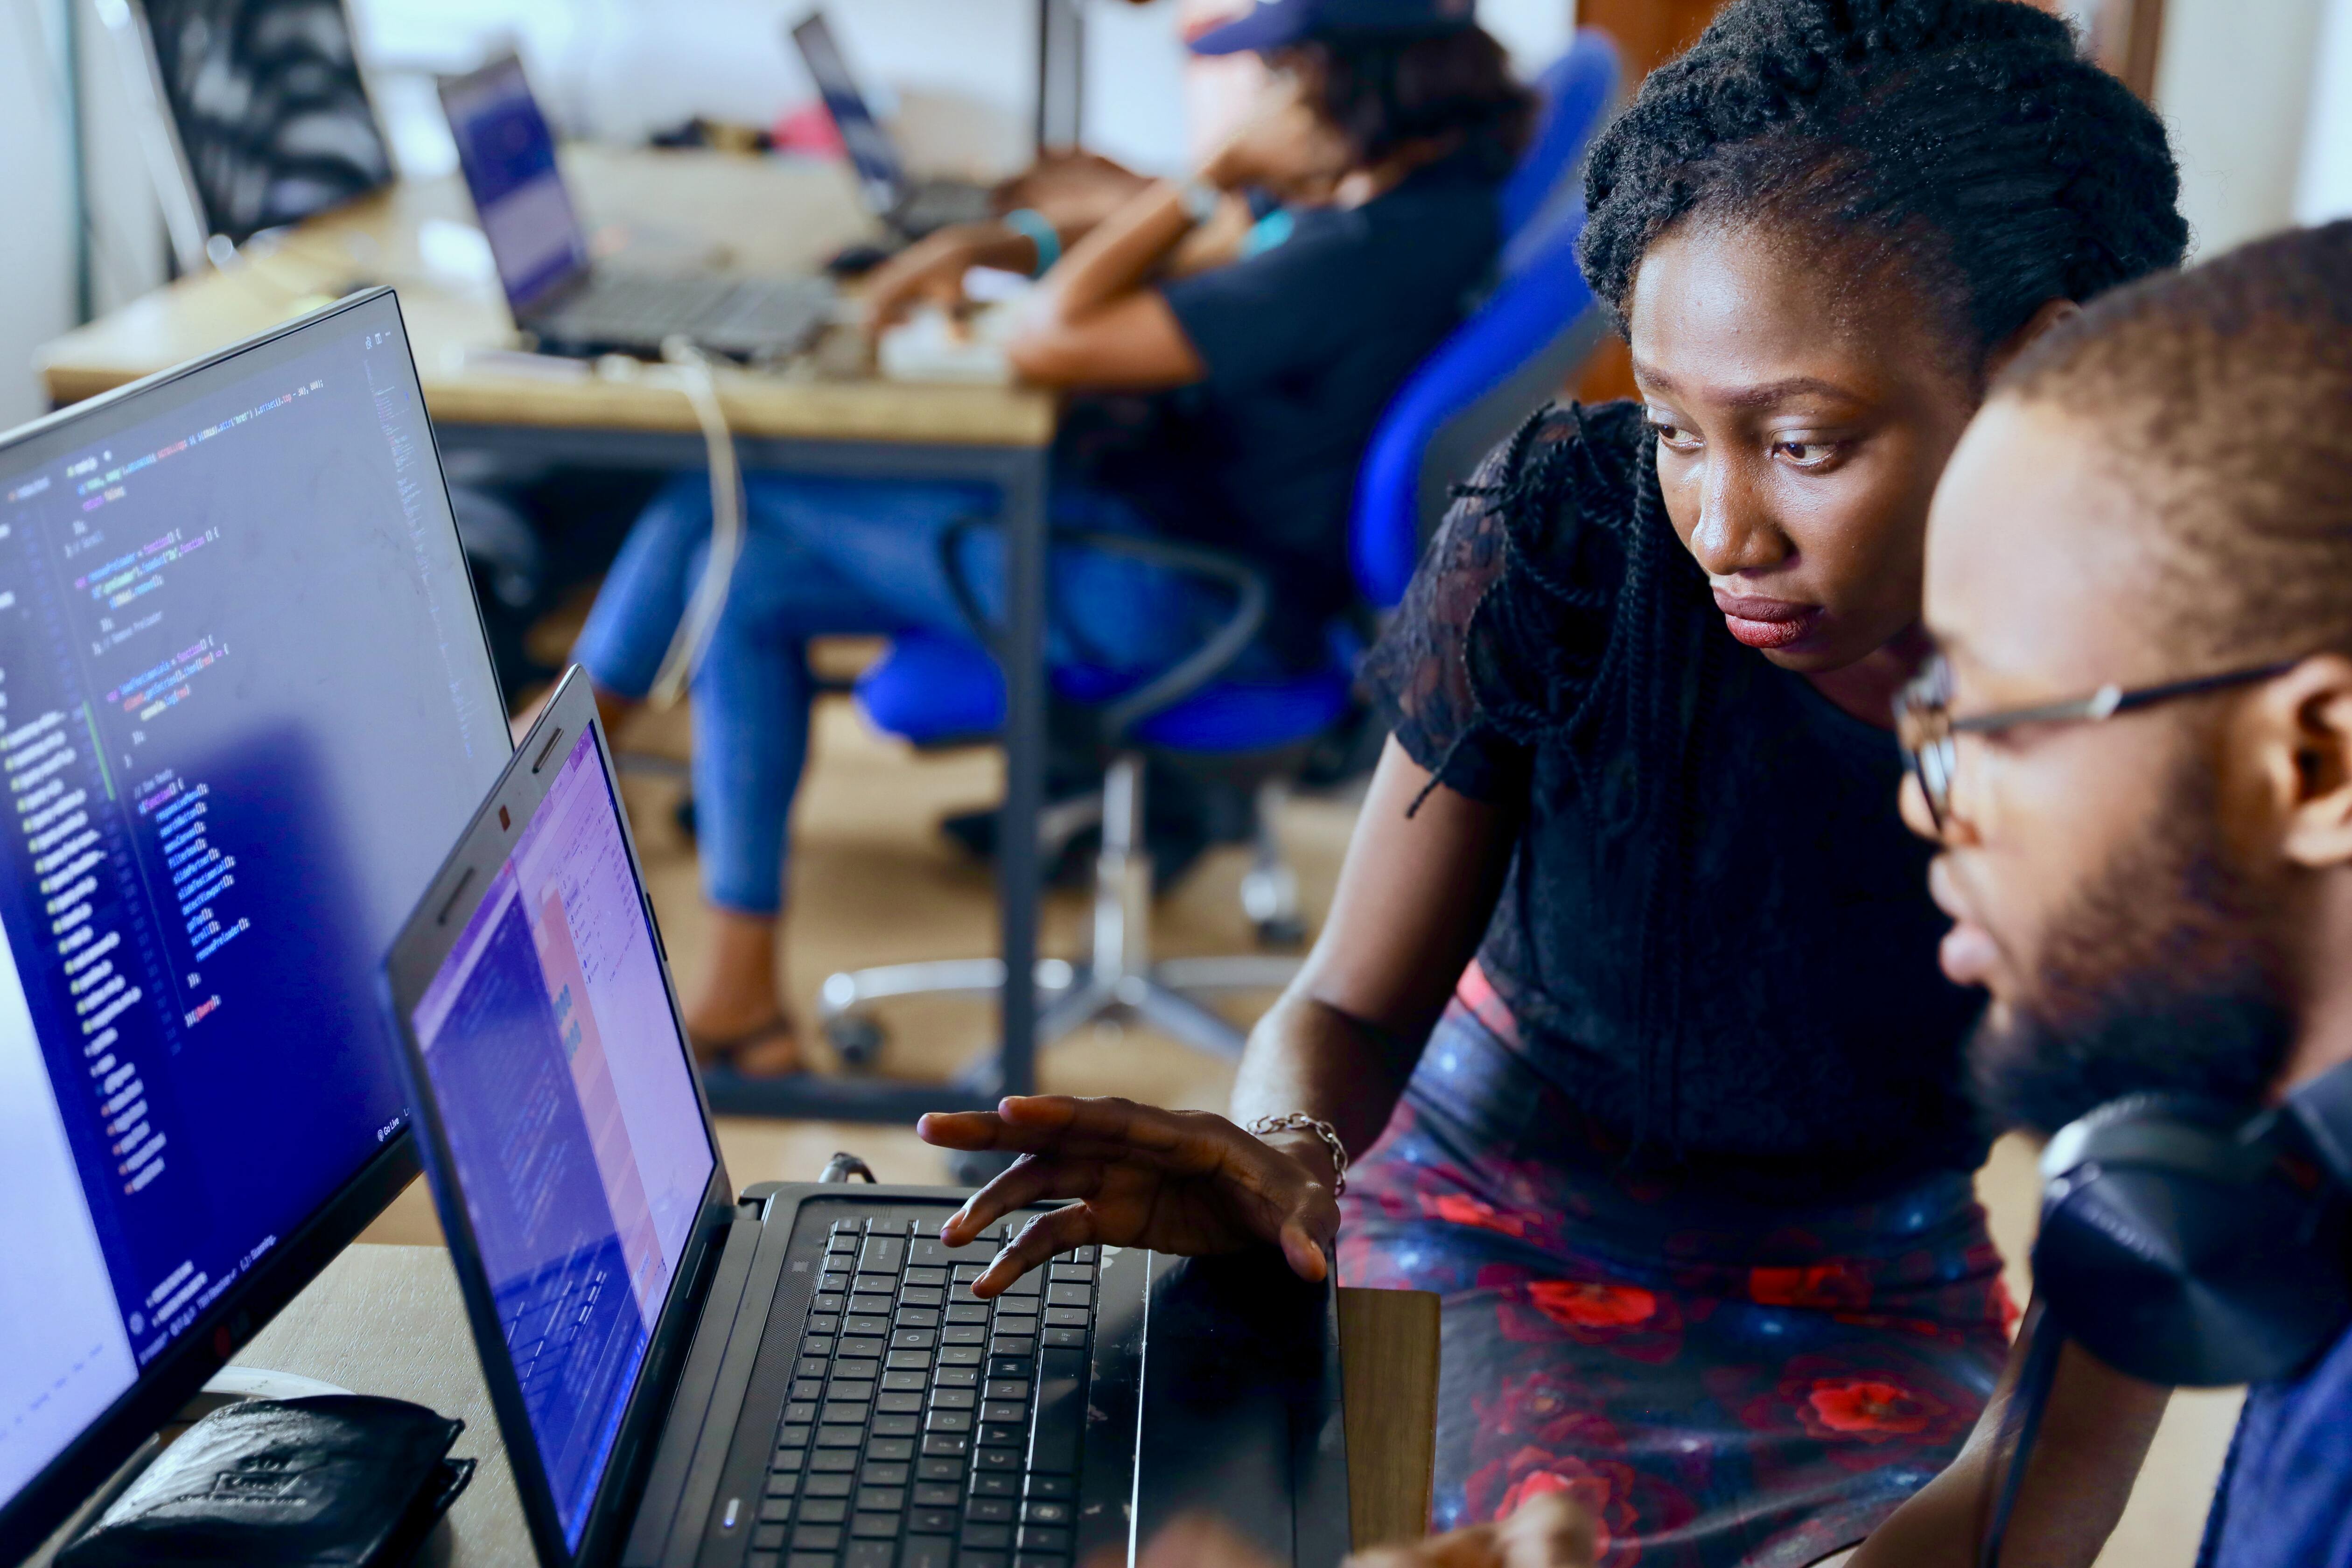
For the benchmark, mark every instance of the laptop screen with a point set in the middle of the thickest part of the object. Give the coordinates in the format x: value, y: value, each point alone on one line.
x: 507, y: 154
x: 870, y: 150
x: 574, y: 1136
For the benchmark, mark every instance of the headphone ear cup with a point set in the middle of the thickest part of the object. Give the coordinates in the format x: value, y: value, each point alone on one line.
x: 2179, y: 1253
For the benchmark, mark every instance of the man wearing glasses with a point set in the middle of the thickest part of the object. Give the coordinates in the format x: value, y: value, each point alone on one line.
x: 2135, y: 748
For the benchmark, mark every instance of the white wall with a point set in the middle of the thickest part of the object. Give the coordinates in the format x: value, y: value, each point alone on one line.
x: 2233, y: 82
x: 2324, y: 189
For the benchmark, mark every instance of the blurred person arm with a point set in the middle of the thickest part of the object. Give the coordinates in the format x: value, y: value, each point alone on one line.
x: 1547, y: 1531
x: 2095, y: 1433
x: 1413, y: 903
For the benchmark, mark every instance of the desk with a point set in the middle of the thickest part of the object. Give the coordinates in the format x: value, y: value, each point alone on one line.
x: 823, y: 415
x: 388, y: 1320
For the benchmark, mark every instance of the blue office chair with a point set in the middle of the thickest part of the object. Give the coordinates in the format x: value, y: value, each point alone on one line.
x: 935, y: 688
x: 1573, y: 95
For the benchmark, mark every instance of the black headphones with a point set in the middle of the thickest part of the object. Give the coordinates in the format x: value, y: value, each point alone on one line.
x: 2188, y: 1246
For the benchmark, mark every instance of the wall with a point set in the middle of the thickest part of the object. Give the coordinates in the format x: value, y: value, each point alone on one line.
x: 2233, y: 82
x: 2325, y: 188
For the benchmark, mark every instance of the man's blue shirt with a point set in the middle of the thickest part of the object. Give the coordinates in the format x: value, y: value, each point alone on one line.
x: 2285, y: 1499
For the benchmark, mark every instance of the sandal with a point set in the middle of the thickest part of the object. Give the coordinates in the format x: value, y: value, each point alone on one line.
x: 733, y: 1053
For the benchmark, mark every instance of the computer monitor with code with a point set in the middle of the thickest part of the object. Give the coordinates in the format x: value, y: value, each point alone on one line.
x: 245, y: 704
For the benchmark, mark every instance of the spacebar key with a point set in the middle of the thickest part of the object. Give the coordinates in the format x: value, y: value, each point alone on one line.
x: 1061, y: 1412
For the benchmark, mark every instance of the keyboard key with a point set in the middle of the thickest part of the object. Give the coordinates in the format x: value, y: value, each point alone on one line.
x: 923, y: 1296
x: 956, y: 1377
x: 1044, y: 1538
x: 823, y: 1306
x: 946, y: 1472
x: 918, y: 1339
x: 881, y: 1499
x: 1061, y: 1412
x: 892, y: 1426
x: 768, y: 1537
x: 927, y: 1551
x: 899, y: 1381
x: 1003, y: 1409
x: 842, y: 1242
x: 848, y: 1227
x: 834, y: 1460
x: 868, y: 1322
x: 782, y: 1483
x: 1065, y: 1339
x: 937, y: 1494
x: 796, y: 1436
x: 1047, y: 1511
x: 933, y: 1520
x: 816, y: 1538
x: 918, y: 1318
x: 850, y: 1413
x: 965, y: 1273
x: 927, y: 1276
x: 948, y: 1421
x: 1009, y: 1344
x: 869, y: 1553
x: 885, y: 1476
x: 868, y: 1350
x: 833, y: 1281
x: 1005, y: 1459
x: 990, y: 1509
x: 983, y: 1560
x: 947, y: 1445
x: 799, y: 1413
x: 1027, y: 1285
x: 1041, y: 1560
x: 995, y: 1484
x: 909, y: 1360
x: 963, y: 1334
x: 1017, y: 1318
x: 1082, y: 1255
x: 957, y: 1354
x: 931, y: 1253
x: 1008, y: 1388
x: 775, y: 1510
x: 825, y: 1486
x: 852, y: 1380
x: 891, y: 1448
x: 809, y: 1559
x: 824, y: 1323
x: 806, y: 1388
x: 1069, y: 1274
x: 953, y: 1398
x: 1008, y: 1367
x: 1069, y: 1296
x: 1060, y: 1317
x: 968, y: 1312
x: 1053, y: 1486
x: 1009, y: 1433
x: 998, y: 1536
x: 886, y: 1226
x: 866, y: 1304
x: 811, y: 1367
x: 882, y: 1254
x: 872, y: 1525
x: 1002, y: 1228
x: 823, y: 1510
x: 842, y: 1437
x: 899, y: 1403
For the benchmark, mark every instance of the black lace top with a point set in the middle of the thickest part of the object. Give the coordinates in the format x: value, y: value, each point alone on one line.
x: 1716, y: 933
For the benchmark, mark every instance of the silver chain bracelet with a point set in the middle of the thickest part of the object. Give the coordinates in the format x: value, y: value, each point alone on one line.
x: 1299, y: 1122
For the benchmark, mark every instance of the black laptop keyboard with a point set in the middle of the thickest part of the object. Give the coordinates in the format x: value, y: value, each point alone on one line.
x: 925, y: 1428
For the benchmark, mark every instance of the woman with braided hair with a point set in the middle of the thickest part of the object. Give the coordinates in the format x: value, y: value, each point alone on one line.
x: 1629, y: 1001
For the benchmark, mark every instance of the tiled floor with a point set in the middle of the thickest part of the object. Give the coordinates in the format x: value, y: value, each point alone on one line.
x: 872, y: 882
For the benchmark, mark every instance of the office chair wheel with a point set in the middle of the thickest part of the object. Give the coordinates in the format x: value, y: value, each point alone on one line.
x: 1284, y: 931
x: 977, y: 1168
x: 857, y: 1041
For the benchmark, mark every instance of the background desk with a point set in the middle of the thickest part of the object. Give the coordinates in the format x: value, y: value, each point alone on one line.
x: 388, y: 1320
x: 824, y: 415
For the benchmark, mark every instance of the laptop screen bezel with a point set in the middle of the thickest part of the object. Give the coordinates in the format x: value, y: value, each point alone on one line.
x: 558, y: 284
x: 229, y: 1324
x: 424, y: 943
x: 883, y: 189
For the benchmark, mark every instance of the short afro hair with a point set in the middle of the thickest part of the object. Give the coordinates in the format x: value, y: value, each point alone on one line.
x: 2222, y: 399
x: 1968, y: 140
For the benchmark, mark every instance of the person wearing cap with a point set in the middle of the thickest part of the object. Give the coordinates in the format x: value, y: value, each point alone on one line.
x: 1232, y: 339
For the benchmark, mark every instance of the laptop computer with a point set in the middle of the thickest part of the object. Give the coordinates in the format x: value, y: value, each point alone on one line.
x: 576, y: 306
x: 911, y: 207
x: 796, y: 1376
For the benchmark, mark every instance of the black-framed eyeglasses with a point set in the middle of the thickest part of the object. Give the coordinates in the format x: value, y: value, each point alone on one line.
x: 1925, y: 727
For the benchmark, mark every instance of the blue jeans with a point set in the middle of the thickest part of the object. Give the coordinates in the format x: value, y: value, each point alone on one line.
x: 836, y: 557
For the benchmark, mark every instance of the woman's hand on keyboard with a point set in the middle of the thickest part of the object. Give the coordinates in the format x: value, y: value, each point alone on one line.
x: 1184, y: 1182
x: 1547, y: 1531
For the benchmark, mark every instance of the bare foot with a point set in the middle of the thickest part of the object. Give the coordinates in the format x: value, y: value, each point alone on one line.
x: 737, y: 1016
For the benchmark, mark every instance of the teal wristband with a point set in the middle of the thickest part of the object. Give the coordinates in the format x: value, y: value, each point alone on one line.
x: 1032, y: 223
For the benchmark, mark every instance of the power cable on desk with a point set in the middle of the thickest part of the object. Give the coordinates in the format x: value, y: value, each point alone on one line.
x: 692, y: 638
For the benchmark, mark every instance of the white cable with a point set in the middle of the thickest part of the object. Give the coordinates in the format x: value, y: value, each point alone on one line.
x: 692, y: 638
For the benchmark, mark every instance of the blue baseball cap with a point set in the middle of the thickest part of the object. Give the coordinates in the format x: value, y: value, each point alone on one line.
x: 1271, y: 24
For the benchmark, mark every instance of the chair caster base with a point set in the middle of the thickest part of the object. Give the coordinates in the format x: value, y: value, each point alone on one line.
x: 856, y: 1040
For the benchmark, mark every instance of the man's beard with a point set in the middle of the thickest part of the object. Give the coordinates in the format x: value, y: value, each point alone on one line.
x: 2155, y: 979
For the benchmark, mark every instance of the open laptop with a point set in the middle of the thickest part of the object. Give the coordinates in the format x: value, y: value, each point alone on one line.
x: 569, y: 303
x: 911, y: 207
x: 797, y: 1377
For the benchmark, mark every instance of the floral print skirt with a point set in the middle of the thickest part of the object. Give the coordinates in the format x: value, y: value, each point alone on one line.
x: 1720, y: 1381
